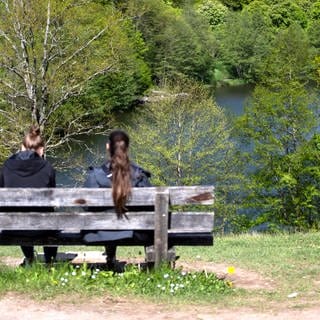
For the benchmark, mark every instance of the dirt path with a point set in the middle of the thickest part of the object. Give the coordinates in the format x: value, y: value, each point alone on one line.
x: 14, y: 307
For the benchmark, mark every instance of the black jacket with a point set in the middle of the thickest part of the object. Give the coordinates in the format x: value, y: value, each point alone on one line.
x: 27, y: 169
x: 101, y: 177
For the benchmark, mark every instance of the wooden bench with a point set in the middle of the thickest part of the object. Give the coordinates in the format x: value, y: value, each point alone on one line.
x: 166, y: 214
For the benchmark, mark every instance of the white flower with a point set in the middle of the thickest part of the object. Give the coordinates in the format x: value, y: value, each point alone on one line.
x: 166, y: 275
x: 93, y: 276
x: 83, y: 273
x: 74, y: 273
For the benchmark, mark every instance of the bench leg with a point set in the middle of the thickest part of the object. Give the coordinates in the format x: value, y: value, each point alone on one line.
x: 150, y: 256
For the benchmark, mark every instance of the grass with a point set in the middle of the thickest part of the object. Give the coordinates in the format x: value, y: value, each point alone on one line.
x: 290, y: 261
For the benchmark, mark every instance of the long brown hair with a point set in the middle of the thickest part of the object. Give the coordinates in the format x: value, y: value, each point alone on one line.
x: 33, y: 140
x: 120, y: 167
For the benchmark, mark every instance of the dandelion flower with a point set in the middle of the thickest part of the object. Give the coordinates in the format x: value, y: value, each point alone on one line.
x: 231, y: 270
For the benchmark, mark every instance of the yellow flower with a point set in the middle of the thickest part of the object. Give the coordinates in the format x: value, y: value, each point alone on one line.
x: 231, y: 270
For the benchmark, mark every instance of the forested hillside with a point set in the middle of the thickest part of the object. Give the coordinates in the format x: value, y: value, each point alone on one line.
x: 72, y: 66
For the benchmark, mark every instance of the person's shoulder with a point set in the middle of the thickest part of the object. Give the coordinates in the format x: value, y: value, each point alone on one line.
x: 139, y: 170
x: 140, y: 177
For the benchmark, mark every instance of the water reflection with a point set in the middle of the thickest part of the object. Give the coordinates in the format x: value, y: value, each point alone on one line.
x: 233, y: 99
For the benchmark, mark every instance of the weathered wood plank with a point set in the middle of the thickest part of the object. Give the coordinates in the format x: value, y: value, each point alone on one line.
x: 203, y: 221
x: 191, y: 195
x: 70, y: 197
x: 75, y: 221
x: 161, y: 227
x: 83, y: 197
x: 200, y: 221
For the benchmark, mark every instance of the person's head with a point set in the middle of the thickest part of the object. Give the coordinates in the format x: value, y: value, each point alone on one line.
x: 33, y: 141
x: 118, y: 147
x: 118, y: 142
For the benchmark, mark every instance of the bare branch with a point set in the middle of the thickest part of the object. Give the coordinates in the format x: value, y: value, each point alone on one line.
x: 11, y: 69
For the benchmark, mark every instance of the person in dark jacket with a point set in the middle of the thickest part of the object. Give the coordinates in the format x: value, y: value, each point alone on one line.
x: 28, y: 169
x: 120, y: 174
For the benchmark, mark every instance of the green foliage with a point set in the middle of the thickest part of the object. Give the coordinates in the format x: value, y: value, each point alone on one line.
x: 276, y: 124
x: 58, y: 49
x: 243, y: 54
x: 214, y: 11
x: 182, y: 48
x: 285, y: 13
x: 236, y: 4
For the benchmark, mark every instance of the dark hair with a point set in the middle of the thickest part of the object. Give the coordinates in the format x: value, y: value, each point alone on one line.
x: 120, y: 167
x: 33, y: 140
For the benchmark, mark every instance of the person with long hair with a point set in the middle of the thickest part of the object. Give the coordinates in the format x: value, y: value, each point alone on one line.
x: 28, y: 169
x: 120, y: 174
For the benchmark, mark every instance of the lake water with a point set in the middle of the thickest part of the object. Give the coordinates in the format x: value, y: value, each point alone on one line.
x: 233, y: 99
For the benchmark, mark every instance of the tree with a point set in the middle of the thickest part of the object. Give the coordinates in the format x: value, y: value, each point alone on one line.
x: 177, y: 39
x: 214, y: 11
x: 243, y: 53
x: 277, y: 122
x: 183, y: 138
x: 49, y: 51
